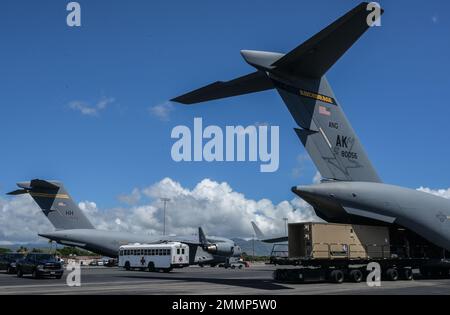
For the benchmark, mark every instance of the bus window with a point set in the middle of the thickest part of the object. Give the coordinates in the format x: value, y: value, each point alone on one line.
x: 182, y: 251
x: 146, y: 252
x: 169, y: 252
x: 178, y: 251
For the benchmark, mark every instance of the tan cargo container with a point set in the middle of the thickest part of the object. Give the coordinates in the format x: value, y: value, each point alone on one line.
x: 337, y: 241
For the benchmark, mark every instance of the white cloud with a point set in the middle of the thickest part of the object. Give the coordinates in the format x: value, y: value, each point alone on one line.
x: 317, y: 178
x: 215, y: 206
x: 445, y: 193
x: 91, y: 110
x: 302, y: 160
x: 132, y: 198
x: 435, y: 19
x: 162, y: 111
x: 21, y: 220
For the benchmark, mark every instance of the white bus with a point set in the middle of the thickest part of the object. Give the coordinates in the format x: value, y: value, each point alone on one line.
x: 154, y: 257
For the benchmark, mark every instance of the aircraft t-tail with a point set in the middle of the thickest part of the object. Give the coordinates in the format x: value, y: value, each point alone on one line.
x: 73, y: 228
x: 352, y: 191
x: 265, y: 239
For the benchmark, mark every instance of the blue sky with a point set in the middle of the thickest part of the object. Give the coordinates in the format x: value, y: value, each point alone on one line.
x: 134, y: 55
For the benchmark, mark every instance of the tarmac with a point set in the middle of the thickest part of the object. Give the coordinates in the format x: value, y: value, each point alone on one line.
x: 255, y: 280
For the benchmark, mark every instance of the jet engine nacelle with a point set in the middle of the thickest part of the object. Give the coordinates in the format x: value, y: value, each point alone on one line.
x: 221, y: 249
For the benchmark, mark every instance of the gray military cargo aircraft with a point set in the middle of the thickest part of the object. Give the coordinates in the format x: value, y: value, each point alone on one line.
x: 352, y: 191
x: 74, y: 229
x: 260, y: 236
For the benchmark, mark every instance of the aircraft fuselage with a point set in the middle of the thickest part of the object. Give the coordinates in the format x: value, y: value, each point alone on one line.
x: 366, y: 202
x: 107, y: 243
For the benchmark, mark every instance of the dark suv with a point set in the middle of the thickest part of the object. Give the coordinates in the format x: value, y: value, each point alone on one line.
x: 8, y: 261
x: 40, y: 265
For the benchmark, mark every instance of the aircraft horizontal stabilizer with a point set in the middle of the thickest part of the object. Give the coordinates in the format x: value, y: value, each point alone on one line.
x: 56, y: 203
x: 275, y: 240
x: 315, y: 56
x: 18, y: 192
x: 261, y: 237
x: 254, y: 82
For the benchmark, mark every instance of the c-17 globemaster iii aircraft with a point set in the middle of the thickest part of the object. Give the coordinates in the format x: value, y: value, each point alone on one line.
x: 352, y: 191
x: 74, y: 229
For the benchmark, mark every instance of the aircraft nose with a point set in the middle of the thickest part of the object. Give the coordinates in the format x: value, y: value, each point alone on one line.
x: 50, y: 236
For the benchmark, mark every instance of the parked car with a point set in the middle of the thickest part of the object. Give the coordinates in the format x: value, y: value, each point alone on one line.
x: 8, y: 261
x: 40, y: 265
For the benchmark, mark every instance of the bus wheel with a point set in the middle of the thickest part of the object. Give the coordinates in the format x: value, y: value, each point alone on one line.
x: 127, y: 266
x: 407, y: 274
x: 392, y: 274
x: 356, y: 275
x: 151, y: 267
x: 337, y: 276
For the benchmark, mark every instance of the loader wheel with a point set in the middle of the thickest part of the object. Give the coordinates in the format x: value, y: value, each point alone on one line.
x: 356, y: 276
x: 392, y: 274
x: 407, y: 274
x: 337, y: 276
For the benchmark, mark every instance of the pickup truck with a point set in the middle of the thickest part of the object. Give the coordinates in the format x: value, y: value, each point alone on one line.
x: 40, y: 265
x: 8, y: 261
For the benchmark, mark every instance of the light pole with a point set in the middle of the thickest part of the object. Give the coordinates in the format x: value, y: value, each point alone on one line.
x: 165, y: 200
x: 253, y: 247
x: 285, y: 225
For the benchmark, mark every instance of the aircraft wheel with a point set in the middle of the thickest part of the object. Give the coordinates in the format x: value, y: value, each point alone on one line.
x: 337, y: 276
x: 392, y: 274
x: 356, y: 276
